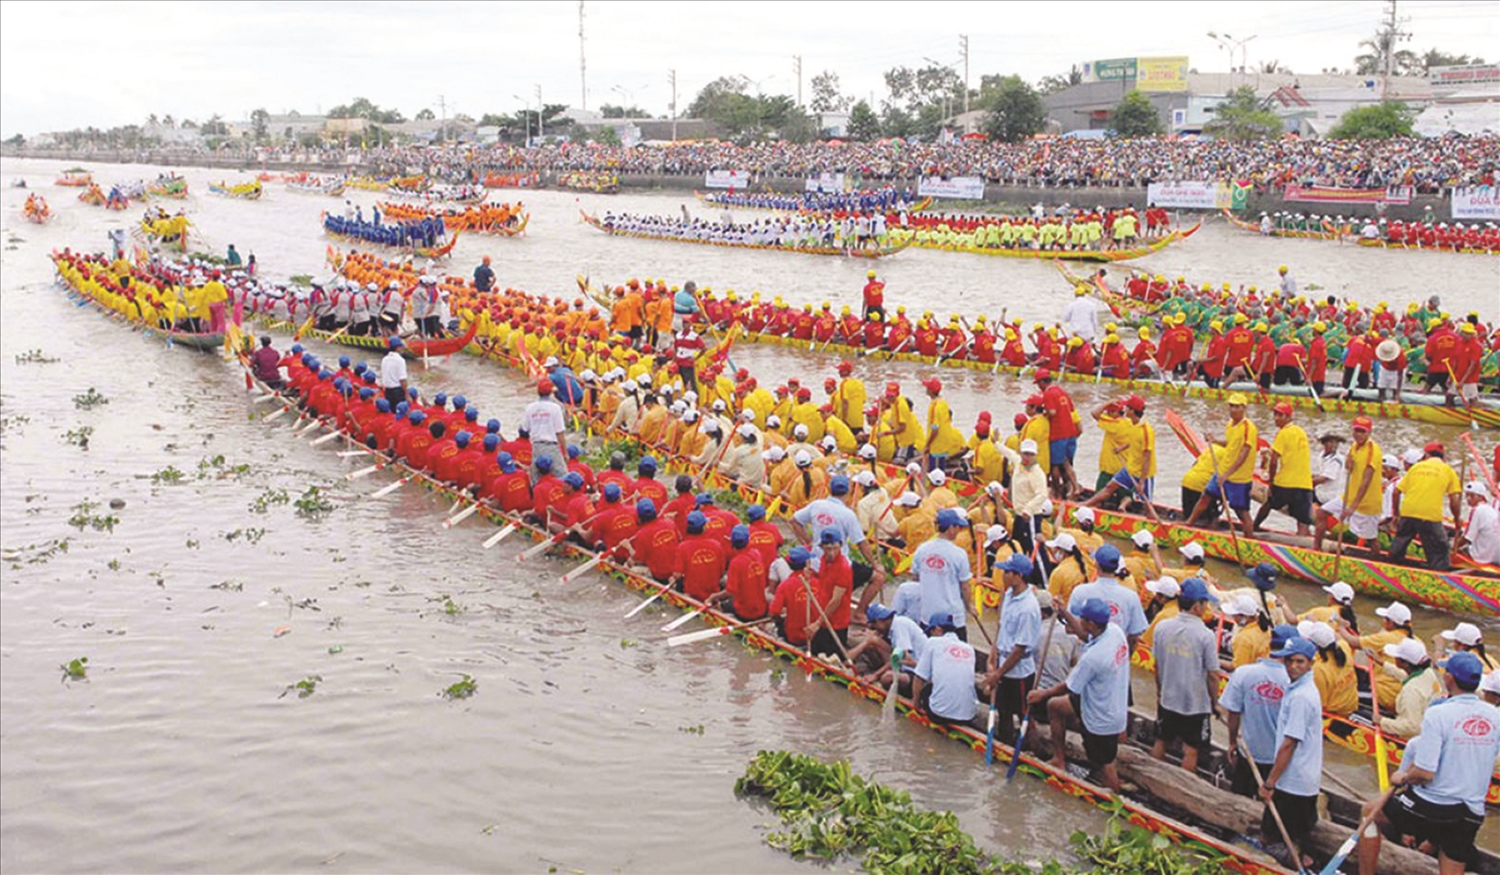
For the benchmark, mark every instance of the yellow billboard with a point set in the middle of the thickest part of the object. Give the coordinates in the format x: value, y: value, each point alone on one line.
x: 1162, y: 74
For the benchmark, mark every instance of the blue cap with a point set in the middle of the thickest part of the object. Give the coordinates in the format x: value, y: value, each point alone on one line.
x: 368, y: 376
x: 502, y: 457
x: 838, y: 485
x: 830, y: 536
x: 755, y: 513
x: 382, y: 405
x: 440, y: 399
x: 1263, y: 576
x: 703, y: 498
x: 471, y: 413
x: 490, y: 442
x: 797, y: 557
x: 943, y: 619
x: 395, y: 343
x: 574, y: 451
x: 1281, y: 634
x: 645, y: 509
x: 739, y: 536
x: 611, y: 492
x: 948, y: 518
x: 877, y: 612
x: 573, y: 479
x: 412, y: 392
x: 402, y: 407
x: 647, y: 463
x: 1465, y: 668
x: 360, y: 368
x: 493, y: 426
x: 1107, y: 557
x: 343, y: 361
x: 1018, y: 563
x: 1196, y: 590
x: 296, y: 348
x: 366, y: 393
x: 1296, y: 647
x: 544, y: 464
x: 460, y: 402
x: 417, y: 416
x: 696, y: 521
x: 462, y: 439
x: 1094, y: 610
x: 325, y: 374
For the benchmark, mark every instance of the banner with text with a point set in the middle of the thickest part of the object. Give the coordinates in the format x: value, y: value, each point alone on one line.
x: 1162, y: 74
x: 1399, y: 195
x: 969, y: 188
x: 1480, y: 202
x: 1184, y: 195
x: 736, y: 179
x: 1469, y: 76
x: 826, y: 182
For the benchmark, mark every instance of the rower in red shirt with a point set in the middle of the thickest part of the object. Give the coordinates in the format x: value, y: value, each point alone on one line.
x: 1143, y: 361
x: 576, y: 463
x: 925, y: 337
x: 655, y: 542
x: 1063, y: 430
x: 614, y: 522
x: 614, y: 473
x: 718, y: 522
x: 791, y: 605
x: 1115, y: 361
x: 1263, y: 360
x: 874, y: 332
x: 700, y: 560
x: 1317, y: 358
x: 745, y: 580
x: 983, y: 344
x: 832, y: 586
x: 645, y: 485
x: 1359, y: 358
x: 413, y: 443
x: 765, y: 536
x: 951, y: 340
x: 510, y: 487
x: 1014, y: 353
x: 1080, y: 357
x: 1442, y: 345
x: 547, y: 493
x: 1211, y: 366
x: 574, y: 512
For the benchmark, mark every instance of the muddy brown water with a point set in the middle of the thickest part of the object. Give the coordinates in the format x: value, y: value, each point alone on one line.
x: 589, y: 745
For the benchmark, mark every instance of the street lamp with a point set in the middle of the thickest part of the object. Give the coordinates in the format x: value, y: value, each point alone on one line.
x: 1228, y: 43
x: 626, y: 94
x: 756, y: 82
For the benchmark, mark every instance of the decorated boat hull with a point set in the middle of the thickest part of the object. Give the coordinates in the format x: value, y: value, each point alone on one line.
x: 883, y: 252
x: 1105, y: 256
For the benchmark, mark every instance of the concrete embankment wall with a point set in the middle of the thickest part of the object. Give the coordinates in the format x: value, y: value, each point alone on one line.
x: 1000, y: 198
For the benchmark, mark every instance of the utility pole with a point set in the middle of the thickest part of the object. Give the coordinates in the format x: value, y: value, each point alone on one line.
x: 539, y: 112
x: 583, y: 76
x: 797, y: 66
x: 443, y: 120
x: 1391, y: 33
x: 963, y: 45
x: 672, y: 80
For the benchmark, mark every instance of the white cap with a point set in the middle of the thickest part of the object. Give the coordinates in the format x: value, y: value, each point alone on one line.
x: 1028, y: 446
x: 1083, y: 514
x: 551, y: 362
x: 747, y: 430
x: 994, y: 488
x: 1412, y: 456
x: 1319, y: 633
x: 1391, y: 461
x: 631, y: 387
x: 865, y: 478
x: 677, y: 408
x: 1408, y: 649
x: 690, y: 415
x: 1063, y: 542
x: 718, y: 406
x: 1046, y: 507
x: 773, y: 421
x: 711, y: 426
x: 963, y: 513
x: 995, y: 533
x: 1477, y: 487
x: 1342, y: 592
x: 936, y: 477
x: 1491, y: 682
x: 800, y: 431
x: 1165, y: 586
x: 776, y: 454
x: 1240, y: 606
x: 908, y: 499
x: 1466, y: 634
x: 829, y: 443
x: 746, y: 415
x: 644, y: 380
x: 588, y: 375
x: 1142, y: 539
x: 802, y: 459
x: 690, y: 396
x: 1397, y: 613
x: 867, y: 451
x: 1192, y: 550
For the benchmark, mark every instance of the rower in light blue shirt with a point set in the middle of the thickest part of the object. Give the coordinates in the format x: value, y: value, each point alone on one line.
x: 1124, y: 605
x: 1296, y: 775
x: 1252, y: 698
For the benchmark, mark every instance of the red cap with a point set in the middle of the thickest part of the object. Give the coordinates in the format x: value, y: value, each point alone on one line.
x: 1043, y: 374
x: 1135, y: 402
x: 804, y: 393
x: 872, y: 411
x: 793, y: 381
x: 846, y: 366
x: 982, y: 429
x: 830, y: 383
x: 1432, y: 448
x: 984, y: 416
x: 741, y: 374
x: 1282, y: 408
x: 826, y: 408
x: 544, y: 386
x: 1035, y: 400
x: 782, y: 390
x: 932, y: 384
x: 892, y: 389
x: 1364, y: 422
x: 1021, y: 419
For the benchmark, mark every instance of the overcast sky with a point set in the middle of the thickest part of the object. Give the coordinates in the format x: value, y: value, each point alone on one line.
x: 65, y: 65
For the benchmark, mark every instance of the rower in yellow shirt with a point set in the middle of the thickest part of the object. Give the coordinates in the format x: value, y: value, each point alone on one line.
x: 1232, y: 476
x: 1417, y: 507
x: 1290, y: 472
x: 806, y: 413
x: 844, y: 439
x: 849, y: 397
x: 942, y: 441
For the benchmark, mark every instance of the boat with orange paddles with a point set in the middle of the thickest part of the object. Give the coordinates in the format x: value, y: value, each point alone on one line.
x: 817, y: 202
x: 513, y: 180
x: 75, y: 177
x: 883, y: 251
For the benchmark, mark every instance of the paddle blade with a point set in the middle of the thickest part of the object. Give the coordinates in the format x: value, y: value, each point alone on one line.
x: 461, y: 516
x: 682, y: 620
x: 1338, y: 859
x: 362, y: 472
x: 1015, y: 755
x: 499, y: 536
x: 642, y: 606
x: 383, y: 491
x: 277, y: 414
x: 582, y: 569
x: 989, y: 740
x: 332, y: 435
x: 541, y: 548
x: 704, y: 635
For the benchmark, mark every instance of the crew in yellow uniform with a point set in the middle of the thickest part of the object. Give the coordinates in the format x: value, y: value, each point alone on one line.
x: 1231, y: 480
x: 942, y: 441
x: 849, y: 398
x: 1291, y: 472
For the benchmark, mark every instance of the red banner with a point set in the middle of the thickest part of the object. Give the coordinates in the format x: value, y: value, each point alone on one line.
x: 1399, y: 195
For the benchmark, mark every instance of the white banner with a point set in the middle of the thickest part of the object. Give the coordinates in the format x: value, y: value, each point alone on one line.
x: 829, y: 182
x: 1480, y: 202
x: 969, y: 188
x: 736, y: 179
x: 1183, y: 195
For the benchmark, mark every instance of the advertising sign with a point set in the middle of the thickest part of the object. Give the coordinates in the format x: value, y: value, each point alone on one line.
x: 736, y: 179
x: 1469, y: 76
x: 1479, y: 202
x: 1112, y: 70
x: 1184, y: 195
x: 969, y: 188
x: 826, y: 182
x: 1162, y: 74
x: 1319, y: 194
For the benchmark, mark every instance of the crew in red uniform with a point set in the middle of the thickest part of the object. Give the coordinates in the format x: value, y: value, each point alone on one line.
x: 655, y: 542
x: 832, y: 586
x: 745, y: 580
x: 510, y: 487
x: 765, y: 535
x: 1063, y: 428
x: 700, y: 560
x: 791, y: 606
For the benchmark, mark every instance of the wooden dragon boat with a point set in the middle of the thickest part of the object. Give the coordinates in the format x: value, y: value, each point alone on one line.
x: 725, y: 199
x: 93, y: 195
x: 172, y: 187
x: 367, y: 183
x: 413, y: 346
x: 513, y: 180
x: 433, y: 252
x: 882, y: 252
x: 75, y: 177
x: 1377, y: 243
x: 596, y: 183
x: 36, y: 210
x: 452, y: 222
x: 308, y: 183
x: 1330, y: 230
x: 244, y: 191
x: 1096, y: 255
x: 1201, y: 839
x: 203, y: 342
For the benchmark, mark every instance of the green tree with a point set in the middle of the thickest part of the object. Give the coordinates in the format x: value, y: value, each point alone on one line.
x: 1379, y: 122
x: 1372, y: 60
x: 826, y: 96
x: 424, y: 115
x: 1016, y: 111
x: 606, y: 135
x: 609, y: 110
x: 1049, y: 84
x: 214, y: 127
x: 1435, y: 58
x: 864, y: 125
x: 259, y: 119
x: 1242, y: 117
x: 1135, y: 117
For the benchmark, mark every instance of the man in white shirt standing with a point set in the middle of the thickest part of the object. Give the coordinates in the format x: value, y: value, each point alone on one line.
x: 544, y: 423
x: 1081, y: 316
x: 1328, y: 469
x: 393, y: 373
x: 1482, y: 535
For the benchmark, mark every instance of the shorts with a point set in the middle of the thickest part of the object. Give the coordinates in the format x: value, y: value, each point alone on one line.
x: 1437, y: 379
x: 1450, y: 827
x: 1102, y: 481
x: 1296, y: 500
x: 1101, y: 750
x: 1237, y: 494
x: 1469, y: 392
x: 1190, y: 729
x: 1299, y: 813
x: 1243, y: 783
x: 1388, y: 379
x: 1363, y: 525
x: 863, y: 574
x: 1010, y: 696
x: 1131, y: 484
x: 1062, y: 451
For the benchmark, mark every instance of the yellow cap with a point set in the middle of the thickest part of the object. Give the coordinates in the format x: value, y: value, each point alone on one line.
x: 844, y: 310
x: 870, y: 274
x: 1080, y: 291
x: 1111, y: 338
x: 1075, y: 341
x: 1180, y: 319
x: 979, y: 320
x: 1237, y: 398
x: 1468, y: 328
x: 1216, y: 325
x: 1320, y: 325
x: 1144, y: 334
x: 1111, y: 327
x: 1281, y: 269
x: 1260, y: 326
x: 1241, y: 318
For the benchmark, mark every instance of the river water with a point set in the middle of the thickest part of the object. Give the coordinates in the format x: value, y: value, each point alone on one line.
x: 589, y: 745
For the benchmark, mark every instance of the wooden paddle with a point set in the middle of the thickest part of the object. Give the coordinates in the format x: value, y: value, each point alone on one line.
x: 583, y: 569
x: 499, y: 536
x: 1382, y: 768
x: 682, y: 620
x: 383, y: 491
x: 705, y: 634
x: 1352, y: 841
x: 1015, y: 755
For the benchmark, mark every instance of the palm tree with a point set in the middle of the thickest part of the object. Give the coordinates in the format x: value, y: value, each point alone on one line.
x: 1403, y: 62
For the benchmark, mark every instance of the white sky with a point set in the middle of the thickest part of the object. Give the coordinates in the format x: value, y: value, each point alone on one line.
x: 74, y: 64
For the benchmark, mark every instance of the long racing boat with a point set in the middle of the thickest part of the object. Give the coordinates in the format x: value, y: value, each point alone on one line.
x: 1096, y: 255
x: 881, y: 252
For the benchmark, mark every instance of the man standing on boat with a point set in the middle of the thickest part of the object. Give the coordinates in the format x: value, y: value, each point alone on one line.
x: 1290, y: 472
x: 484, y: 276
x: 1251, y: 701
x: 1440, y: 792
x: 1231, y: 480
x: 942, y: 568
x: 874, y: 296
x: 1417, y: 507
x: 1013, y: 661
x: 393, y: 373
x: 1187, y: 676
x: 1096, y: 693
x: 544, y: 423
x: 1296, y: 774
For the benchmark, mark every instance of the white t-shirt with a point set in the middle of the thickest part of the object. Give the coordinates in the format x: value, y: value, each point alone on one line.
x: 1331, y: 467
x: 948, y: 664
x: 1484, y: 534
x: 544, y: 420
x: 392, y: 370
x: 1080, y: 318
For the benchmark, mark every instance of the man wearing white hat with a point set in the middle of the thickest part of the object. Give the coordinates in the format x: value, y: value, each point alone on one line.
x: 1419, y: 685
x: 1489, y: 688
x: 1464, y: 638
x: 873, y: 507
x: 1160, y: 606
x: 1028, y: 492
x: 1392, y: 377
x: 1340, y: 604
x: 1481, y: 537
x: 742, y: 460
